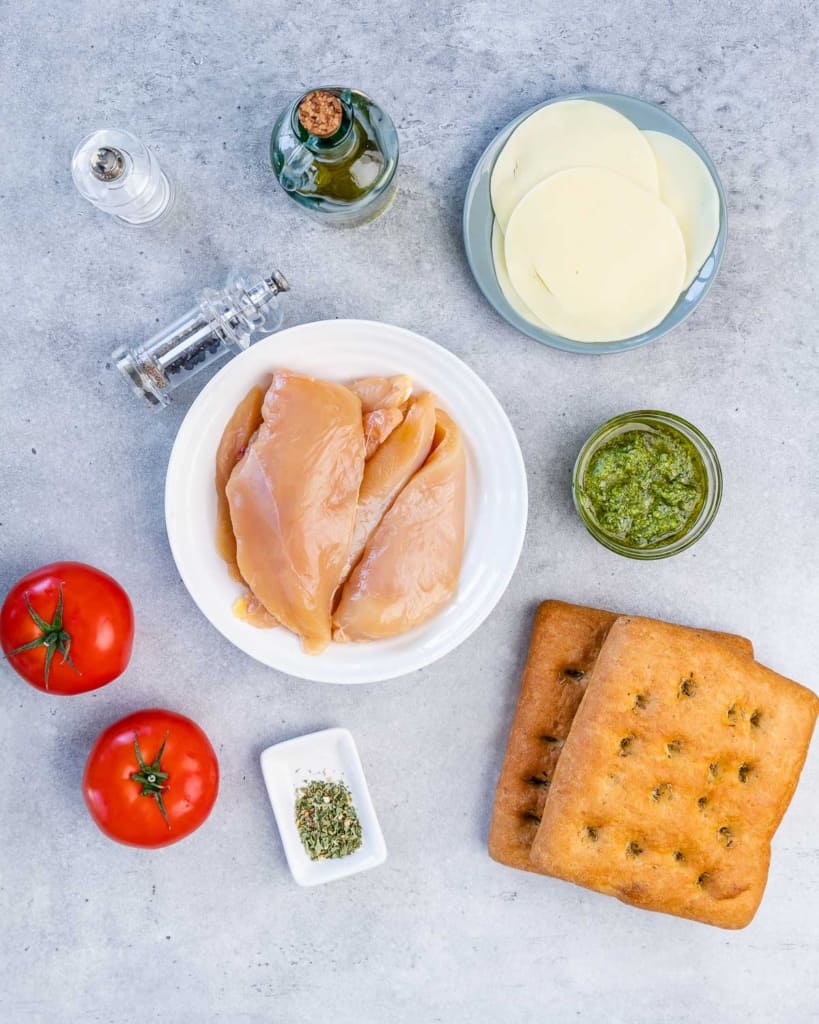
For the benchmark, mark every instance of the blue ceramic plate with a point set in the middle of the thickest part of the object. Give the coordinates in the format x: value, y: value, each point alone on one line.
x: 478, y: 219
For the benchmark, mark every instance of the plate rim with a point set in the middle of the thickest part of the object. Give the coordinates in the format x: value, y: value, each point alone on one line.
x: 557, y: 341
x: 420, y: 661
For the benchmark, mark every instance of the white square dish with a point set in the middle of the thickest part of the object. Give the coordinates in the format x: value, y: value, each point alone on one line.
x: 330, y: 754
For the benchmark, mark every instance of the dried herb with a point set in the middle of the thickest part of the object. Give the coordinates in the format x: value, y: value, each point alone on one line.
x: 327, y: 820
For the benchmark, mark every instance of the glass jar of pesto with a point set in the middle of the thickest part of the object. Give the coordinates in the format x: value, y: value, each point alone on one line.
x: 647, y: 484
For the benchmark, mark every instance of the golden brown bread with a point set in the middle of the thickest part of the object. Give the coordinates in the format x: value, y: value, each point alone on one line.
x: 566, y: 640
x: 680, y: 764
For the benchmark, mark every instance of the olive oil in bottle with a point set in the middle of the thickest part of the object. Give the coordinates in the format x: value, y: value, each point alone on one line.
x: 335, y: 152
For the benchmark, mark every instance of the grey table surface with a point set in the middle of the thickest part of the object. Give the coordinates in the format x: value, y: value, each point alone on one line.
x: 214, y: 929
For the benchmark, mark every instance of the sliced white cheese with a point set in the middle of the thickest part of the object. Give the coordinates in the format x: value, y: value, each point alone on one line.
x: 502, y: 274
x: 686, y: 186
x: 559, y: 321
x: 574, y: 133
x: 610, y: 252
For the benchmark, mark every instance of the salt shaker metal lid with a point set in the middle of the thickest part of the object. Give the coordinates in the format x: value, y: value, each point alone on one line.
x: 117, y: 172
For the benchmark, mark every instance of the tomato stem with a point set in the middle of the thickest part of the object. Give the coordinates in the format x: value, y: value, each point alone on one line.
x: 151, y: 777
x: 52, y: 636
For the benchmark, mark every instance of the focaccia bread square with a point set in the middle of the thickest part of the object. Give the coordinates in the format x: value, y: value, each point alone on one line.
x: 566, y: 640
x: 680, y: 764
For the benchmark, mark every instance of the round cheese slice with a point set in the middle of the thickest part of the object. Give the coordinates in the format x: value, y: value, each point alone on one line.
x: 560, y: 321
x: 574, y: 133
x: 687, y: 187
x: 607, y: 250
x: 505, y: 285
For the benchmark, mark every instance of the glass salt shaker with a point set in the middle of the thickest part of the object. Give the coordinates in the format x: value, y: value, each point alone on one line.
x: 223, y: 322
x: 335, y: 152
x: 119, y: 174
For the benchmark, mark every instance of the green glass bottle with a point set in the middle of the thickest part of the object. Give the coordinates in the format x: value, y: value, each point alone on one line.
x: 335, y: 152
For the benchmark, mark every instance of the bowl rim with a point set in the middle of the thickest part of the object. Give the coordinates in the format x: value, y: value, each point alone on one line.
x: 541, y: 334
x: 711, y: 464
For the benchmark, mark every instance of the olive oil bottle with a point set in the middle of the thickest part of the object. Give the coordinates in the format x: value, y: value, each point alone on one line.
x: 335, y: 152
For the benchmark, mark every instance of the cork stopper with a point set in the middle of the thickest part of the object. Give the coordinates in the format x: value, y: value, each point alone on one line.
x: 320, y: 113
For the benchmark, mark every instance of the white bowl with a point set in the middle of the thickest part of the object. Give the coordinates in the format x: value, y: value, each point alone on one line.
x: 329, y: 754
x: 496, y: 493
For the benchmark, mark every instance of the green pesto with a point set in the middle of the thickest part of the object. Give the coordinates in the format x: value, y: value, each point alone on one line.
x: 645, y: 487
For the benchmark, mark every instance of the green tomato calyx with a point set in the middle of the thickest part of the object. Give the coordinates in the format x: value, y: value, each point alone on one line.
x: 151, y: 777
x: 52, y: 636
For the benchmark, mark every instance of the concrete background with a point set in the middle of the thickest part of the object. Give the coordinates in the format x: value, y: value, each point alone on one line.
x: 214, y: 929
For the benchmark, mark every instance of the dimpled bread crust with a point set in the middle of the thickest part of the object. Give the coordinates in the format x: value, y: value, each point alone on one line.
x: 680, y: 764
x: 566, y: 640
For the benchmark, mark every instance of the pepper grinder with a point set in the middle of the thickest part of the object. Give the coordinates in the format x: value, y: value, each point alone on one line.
x: 121, y: 176
x: 223, y: 321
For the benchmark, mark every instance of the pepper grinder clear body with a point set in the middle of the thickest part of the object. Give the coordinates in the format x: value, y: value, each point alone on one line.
x: 119, y: 174
x: 223, y: 322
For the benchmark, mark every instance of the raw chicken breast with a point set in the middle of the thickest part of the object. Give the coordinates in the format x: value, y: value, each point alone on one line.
x: 411, y: 565
x: 250, y: 609
x: 293, y: 501
x: 242, y: 425
x: 388, y: 471
x: 378, y: 425
x: 382, y: 392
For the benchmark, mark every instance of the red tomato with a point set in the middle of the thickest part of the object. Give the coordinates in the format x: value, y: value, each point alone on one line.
x: 67, y: 628
x: 151, y: 778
